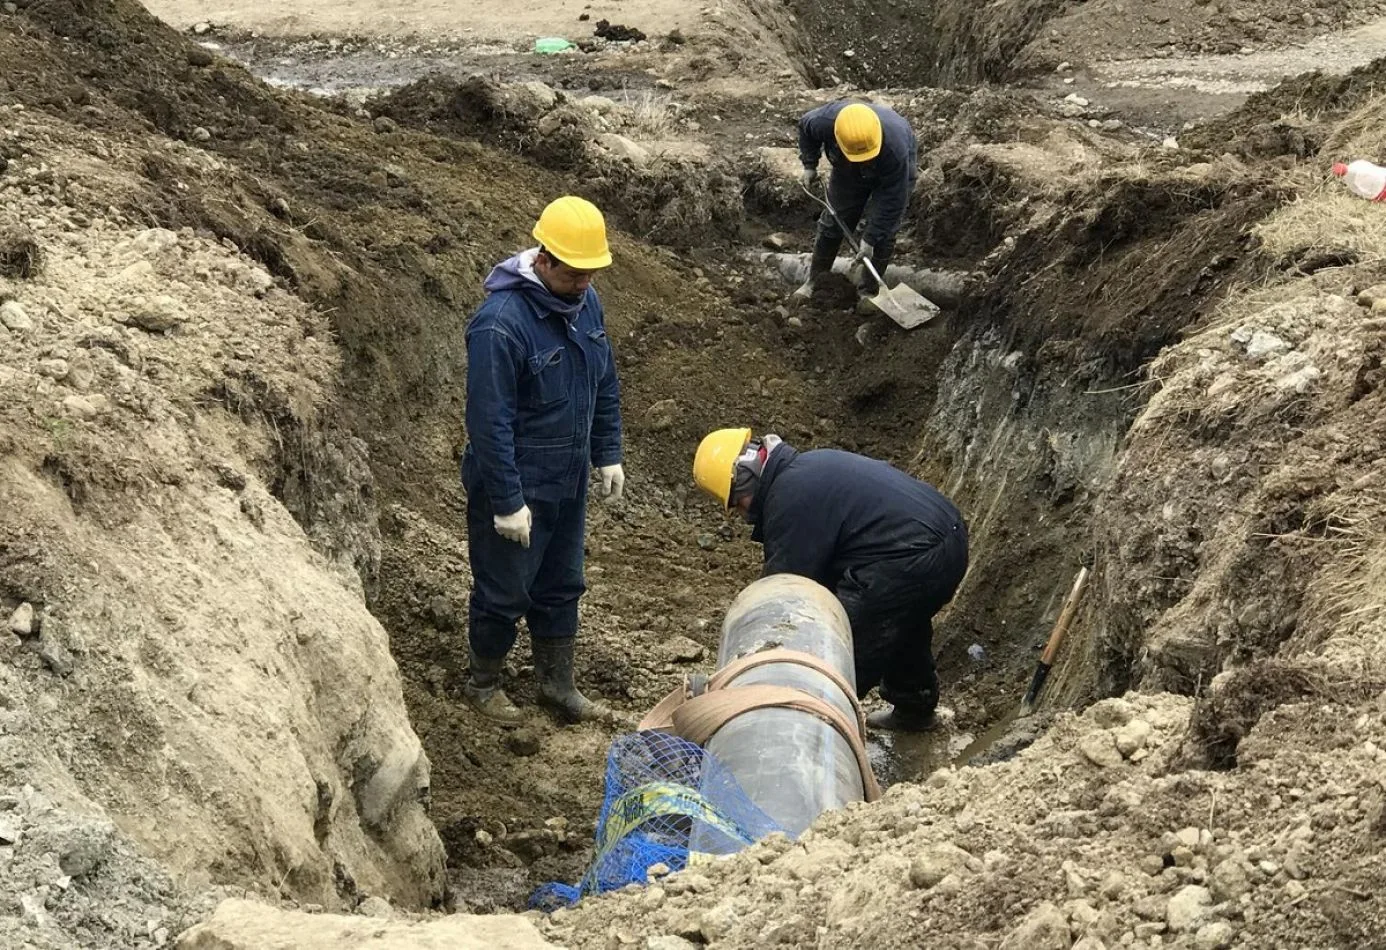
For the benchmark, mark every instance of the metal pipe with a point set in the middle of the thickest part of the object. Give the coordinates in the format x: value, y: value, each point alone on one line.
x: 791, y: 764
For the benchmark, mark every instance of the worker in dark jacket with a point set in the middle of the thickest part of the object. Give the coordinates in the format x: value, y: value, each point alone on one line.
x: 874, y: 156
x: 543, y: 405
x: 892, y: 549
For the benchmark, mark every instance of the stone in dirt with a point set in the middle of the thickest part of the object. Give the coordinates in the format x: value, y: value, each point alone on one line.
x: 669, y: 942
x: 10, y: 824
x: 931, y: 867
x: 522, y: 742
x: 377, y: 907
x: 1100, y: 749
x: 684, y: 650
x: 618, y: 146
x: 14, y: 317
x: 159, y: 315
x: 56, y: 657
x: 1044, y: 928
x: 661, y: 415
x: 22, y: 620
x: 1131, y: 738
x: 1215, y: 936
x: 247, y: 925
x: 1188, y: 908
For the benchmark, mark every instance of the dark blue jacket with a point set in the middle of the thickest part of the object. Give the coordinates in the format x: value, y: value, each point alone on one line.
x: 889, y: 176
x: 543, y: 399
x: 822, y: 513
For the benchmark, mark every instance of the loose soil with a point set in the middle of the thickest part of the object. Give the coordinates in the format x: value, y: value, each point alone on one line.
x: 369, y: 225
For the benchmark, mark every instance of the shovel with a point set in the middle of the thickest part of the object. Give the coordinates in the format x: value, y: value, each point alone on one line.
x: 903, y: 304
x: 1051, y: 649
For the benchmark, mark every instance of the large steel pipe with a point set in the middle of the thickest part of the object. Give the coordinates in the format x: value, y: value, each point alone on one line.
x: 791, y: 763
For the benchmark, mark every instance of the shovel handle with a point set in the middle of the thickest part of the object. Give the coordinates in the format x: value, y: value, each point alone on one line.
x: 1070, y: 608
x: 1056, y: 637
x: 851, y: 238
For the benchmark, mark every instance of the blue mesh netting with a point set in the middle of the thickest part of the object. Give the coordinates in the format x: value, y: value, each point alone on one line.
x: 664, y: 797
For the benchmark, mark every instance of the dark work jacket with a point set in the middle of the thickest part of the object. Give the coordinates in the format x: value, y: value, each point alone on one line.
x: 543, y: 399
x: 822, y: 513
x: 889, y: 176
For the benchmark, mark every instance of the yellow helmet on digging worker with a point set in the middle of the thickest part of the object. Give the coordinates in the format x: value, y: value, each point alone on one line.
x: 574, y: 231
x: 714, y: 465
x: 857, y: 129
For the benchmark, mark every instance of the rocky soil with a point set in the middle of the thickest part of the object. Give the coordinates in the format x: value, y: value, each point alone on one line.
x: 232, y: 372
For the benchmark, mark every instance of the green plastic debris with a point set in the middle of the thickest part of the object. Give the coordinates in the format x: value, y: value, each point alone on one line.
x: 552, y: 44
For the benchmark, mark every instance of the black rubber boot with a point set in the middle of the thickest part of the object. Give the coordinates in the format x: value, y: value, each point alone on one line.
x: 553, y: 669
x: 901, y: 719
x: 483, y: 691
x: 819, y: 264
x: 913, y: 711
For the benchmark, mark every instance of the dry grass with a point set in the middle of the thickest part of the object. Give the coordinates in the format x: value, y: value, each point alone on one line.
x: 1326, y: 217
x: 653, y: 115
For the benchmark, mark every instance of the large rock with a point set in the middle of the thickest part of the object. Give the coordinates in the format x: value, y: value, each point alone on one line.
x: 247, y: 925
x: 1044, y: 928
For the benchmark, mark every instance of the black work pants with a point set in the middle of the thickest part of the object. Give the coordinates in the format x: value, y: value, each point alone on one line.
x: 849, y: 197
x: 891, y: 604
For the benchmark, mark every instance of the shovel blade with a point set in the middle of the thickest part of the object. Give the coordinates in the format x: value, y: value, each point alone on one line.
x: 905, y: 305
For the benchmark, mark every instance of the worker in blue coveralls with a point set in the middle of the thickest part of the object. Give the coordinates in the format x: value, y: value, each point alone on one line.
x: 874, y: 157
x: 543, y: 406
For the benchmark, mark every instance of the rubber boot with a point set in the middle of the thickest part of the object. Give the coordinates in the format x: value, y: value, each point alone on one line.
x: 913, y: 711
x: 553, y: 669
x: 901, y: 719
x: 819, y: 264
x: 483, y: 691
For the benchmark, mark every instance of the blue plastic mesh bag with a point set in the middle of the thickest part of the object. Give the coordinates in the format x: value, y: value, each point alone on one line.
x: 664, y: 797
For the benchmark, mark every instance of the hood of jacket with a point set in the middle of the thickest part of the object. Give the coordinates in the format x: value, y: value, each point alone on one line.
x: 517, y: 273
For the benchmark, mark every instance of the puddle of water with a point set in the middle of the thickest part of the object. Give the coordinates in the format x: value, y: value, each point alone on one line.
x: 912, y: 756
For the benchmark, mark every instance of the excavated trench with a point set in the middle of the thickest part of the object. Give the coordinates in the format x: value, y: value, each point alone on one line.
x: 1015, y: 405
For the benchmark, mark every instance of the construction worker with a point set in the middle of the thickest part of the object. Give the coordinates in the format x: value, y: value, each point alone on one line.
x: 874, y: 156
x: 892, y: 549
x: 543, y: 404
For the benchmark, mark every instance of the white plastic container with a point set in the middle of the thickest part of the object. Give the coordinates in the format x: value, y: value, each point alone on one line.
x: 1363, y: 178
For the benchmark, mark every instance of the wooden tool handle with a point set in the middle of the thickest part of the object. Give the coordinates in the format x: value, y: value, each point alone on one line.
x: 1066, y: 615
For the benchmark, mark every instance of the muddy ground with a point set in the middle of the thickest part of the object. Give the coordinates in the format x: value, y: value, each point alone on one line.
x: 1088, y: 248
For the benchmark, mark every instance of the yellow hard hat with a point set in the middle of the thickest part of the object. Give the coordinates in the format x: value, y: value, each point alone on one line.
x: 574, y: 231
x: 715, y: 463
x: 857, y: 129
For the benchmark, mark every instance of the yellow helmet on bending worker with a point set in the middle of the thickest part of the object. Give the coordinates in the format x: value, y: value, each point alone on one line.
x: 715, y: 462
x: 857, y: 130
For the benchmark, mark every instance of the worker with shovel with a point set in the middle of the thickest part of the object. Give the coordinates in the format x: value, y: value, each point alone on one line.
x: 892, y: 548
x: 874, y: 157
x: 543, y: 406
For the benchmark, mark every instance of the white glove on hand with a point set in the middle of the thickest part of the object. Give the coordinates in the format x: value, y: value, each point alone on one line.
x: 516, y: 527
x: 808, y: 176
x: 613, y: 482
x: 864, y: 252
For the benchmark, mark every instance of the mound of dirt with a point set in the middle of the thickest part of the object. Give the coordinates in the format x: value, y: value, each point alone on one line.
x: 184, y: 665
x: 1091, y: 837
x: 658, y: 195
x: 1109, y: 29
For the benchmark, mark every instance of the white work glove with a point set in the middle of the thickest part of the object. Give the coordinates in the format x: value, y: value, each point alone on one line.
x: 613, y: 482
x: 516, y: 527
x: 808, y: 176
x: 864, y: 252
